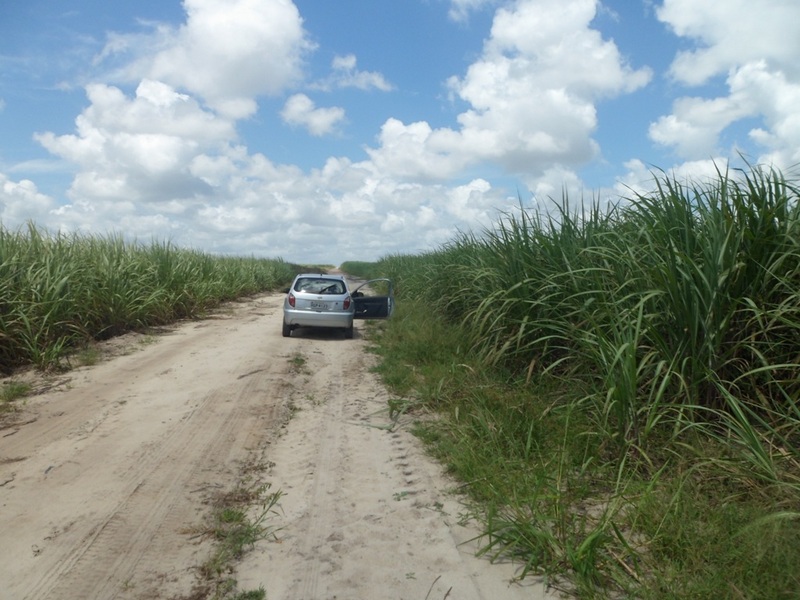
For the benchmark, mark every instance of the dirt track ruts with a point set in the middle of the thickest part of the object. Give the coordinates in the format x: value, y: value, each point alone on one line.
x: 105, y: 478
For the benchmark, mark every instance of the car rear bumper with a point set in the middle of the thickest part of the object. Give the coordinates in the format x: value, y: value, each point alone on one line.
x: 308, y: 318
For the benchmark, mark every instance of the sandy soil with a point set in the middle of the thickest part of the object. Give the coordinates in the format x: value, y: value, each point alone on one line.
x: 107, y: 475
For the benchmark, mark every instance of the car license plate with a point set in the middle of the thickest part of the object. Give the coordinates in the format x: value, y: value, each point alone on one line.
x: 318, y: 305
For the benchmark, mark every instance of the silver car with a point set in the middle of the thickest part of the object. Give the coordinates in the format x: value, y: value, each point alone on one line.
x: 324, y: 300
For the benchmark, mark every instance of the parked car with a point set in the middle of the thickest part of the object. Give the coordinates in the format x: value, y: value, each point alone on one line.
x: 324, y: 300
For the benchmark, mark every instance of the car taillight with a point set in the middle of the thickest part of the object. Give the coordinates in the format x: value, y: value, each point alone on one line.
x: 291, y: 299
x: 346, y: 303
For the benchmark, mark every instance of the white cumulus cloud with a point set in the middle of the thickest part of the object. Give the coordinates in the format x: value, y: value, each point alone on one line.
x: 346, y: 75
x: 531, y: 97
x: 137, y: 148
x: 460, y: 9
x: 753, y: 47
x: 20, y: 199
x: 301, y: 110
x: 228, y: 53
x: 728, y: 34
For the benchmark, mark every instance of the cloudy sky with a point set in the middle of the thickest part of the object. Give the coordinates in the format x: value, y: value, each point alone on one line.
x: 325, y: 131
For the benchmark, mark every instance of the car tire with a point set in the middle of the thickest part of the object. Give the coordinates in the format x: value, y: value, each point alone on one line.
x: 348, y: 332
x: 287, y: 329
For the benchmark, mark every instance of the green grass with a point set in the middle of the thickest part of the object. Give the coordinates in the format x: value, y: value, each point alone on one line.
x: 298, y: 363
x: 11, y: 391
x: 361, y: 269
x: 57, y: 291
x: 236, y: 529
x: 617, y: 388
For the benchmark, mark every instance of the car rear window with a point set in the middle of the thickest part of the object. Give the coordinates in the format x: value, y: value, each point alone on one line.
x: 315, y: 285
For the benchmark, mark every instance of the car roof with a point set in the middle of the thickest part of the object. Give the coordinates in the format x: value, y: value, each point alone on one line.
x: 327, y: 275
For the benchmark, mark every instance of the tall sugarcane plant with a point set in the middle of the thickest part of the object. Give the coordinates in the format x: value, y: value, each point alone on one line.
x: 59, y: 290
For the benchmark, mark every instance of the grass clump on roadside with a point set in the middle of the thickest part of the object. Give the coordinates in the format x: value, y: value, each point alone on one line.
x: 59, y: 291
x: 618, y: 386
x: 10, y: 391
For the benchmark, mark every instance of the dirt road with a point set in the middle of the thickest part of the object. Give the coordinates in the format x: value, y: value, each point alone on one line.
x: 107, y: 477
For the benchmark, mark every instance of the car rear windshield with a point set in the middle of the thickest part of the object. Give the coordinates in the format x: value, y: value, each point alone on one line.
x: 316, y: 285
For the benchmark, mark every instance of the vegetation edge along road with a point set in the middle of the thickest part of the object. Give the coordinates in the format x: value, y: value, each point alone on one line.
x: 617, y: 387
x: 59, y: 292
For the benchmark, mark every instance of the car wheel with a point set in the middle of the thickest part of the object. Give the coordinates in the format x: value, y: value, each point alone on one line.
x: 287, y: 329
x: 348, y: 332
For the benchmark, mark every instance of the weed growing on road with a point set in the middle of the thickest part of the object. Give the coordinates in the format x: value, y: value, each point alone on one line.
x: 298, y: 363
x: 236, y: 530
x: 259, y: 594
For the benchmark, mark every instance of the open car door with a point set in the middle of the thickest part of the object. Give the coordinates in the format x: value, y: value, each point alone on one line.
x: 378, y: 304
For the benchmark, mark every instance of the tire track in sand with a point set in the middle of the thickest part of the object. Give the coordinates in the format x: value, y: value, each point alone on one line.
x: 151, y: 502
x: 110, y: 516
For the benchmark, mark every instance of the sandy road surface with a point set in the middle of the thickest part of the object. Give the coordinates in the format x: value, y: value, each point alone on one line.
x: 105, y: 477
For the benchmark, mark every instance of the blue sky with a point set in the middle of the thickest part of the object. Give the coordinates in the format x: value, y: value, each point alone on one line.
x: 322, y: 131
